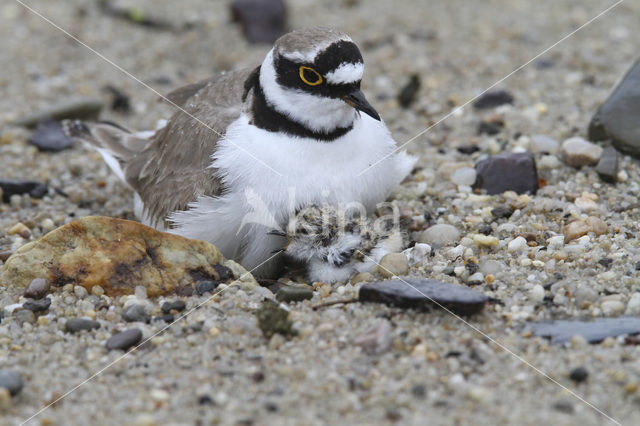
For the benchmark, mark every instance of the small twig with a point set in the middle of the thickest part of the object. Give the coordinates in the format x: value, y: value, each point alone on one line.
x: 335, y: 302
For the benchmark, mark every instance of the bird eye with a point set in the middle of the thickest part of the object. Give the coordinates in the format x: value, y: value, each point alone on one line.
x: 310, y: 76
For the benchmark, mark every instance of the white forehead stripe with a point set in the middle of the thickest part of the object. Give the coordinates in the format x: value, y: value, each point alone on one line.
x: 346, y: 73
x: 308, y: 56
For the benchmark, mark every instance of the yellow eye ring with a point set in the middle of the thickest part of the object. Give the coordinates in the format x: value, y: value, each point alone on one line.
x: 310, y: 83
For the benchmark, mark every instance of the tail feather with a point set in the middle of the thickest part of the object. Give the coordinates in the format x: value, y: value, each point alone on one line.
x: 116, y: 144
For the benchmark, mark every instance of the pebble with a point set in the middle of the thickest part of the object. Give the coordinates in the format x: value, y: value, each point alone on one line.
x: 579, y: 374
x: 20, y: 229
x: 40, y: 305
x: 612, y: 307
x: 125, y: 339
x: 594, y: 331
x: 581, y: 227
x: 49, y: 136
x: 136, y: 313
x: 417, y: 253
x: 507, y: 172
x: 97, y: 290
x: 408, y: 93
x: 543, y: 144
x: 486, y: 240
x: 537, y: 293
x: 578, y: 152
x: 262, y: 21
x: 11, y: 381
x: 8, y: 188
x: 607, y: 167
x: 37, y: 288
x: 617, y: 117
x: 633, y: 306
x: 293, y: 294
x: 491, y: 267
x: 75, y: 325
x: 393, y: 264
x: 273, y: 320
x: 517, y: 244
x: 439, y: 234
x: 549, y: 162
x: 422, y: 293
x: 362, y: 277
x: 80, y: 292
x: 175, y: 305
x: 206, y: 287
x: 464, y: 176
x: 492, y: 99
x: 502, y: 212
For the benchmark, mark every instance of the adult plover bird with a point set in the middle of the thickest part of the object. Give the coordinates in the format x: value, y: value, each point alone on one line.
x: 295, y: 130
x: 334, y: 244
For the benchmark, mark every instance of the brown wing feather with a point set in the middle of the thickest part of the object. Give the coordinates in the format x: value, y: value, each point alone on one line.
x: 172, y: 170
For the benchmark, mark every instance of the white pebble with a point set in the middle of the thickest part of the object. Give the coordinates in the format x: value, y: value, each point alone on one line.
x: 517, y: 244
x: 464, y: 176
x: 633, y: 307
x: 537, y: 293
x: 556, y: 242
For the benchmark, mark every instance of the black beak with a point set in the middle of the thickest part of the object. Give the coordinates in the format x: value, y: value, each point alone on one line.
x: 357, y: 100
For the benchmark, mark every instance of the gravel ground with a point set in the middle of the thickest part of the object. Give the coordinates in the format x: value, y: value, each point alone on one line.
x: 215, y: 366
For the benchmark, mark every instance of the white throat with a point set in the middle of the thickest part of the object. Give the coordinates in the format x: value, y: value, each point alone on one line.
x: 316, y: 113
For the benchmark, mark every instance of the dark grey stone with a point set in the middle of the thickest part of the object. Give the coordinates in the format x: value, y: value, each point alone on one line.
x: 579, y: 374
x: 493, y: 99
x: 20, y: 187
x: 424, y: 294
x: 125, y: 339
x: 11, y: 381
x: 409, y: 92
x: 174, y: 305
x: 594, y: 331
x: 617, y: 118
x: 508, y: 172
x: 293, y: 294
x: 75, y: 325
x: 262, y: 21
x: 37, y: 288
x: 136, y: 313
x: 37, y: 305
x: 607, y: 167
x: 49, y: 136
x: 206, y: 287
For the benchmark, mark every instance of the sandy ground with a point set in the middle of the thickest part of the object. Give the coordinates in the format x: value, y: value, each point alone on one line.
x: 215, y: 367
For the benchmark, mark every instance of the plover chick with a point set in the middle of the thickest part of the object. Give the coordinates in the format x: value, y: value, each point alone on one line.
x: 293, y: 131
x: 335, y: 244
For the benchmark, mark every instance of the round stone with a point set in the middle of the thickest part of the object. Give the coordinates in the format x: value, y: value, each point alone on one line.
x: 464, y: 176
x: 579, y: 374
x: 11, y: 381
x: 136, y: 313
x: 517, y: 244
x: 393, y: 264
x: 37, y: 288
x: 440, y: 234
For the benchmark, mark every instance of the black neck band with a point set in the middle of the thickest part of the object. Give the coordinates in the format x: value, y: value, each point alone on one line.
x: 267, y: 118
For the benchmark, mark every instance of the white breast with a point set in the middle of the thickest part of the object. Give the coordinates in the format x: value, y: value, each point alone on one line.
x: 308, y: 170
